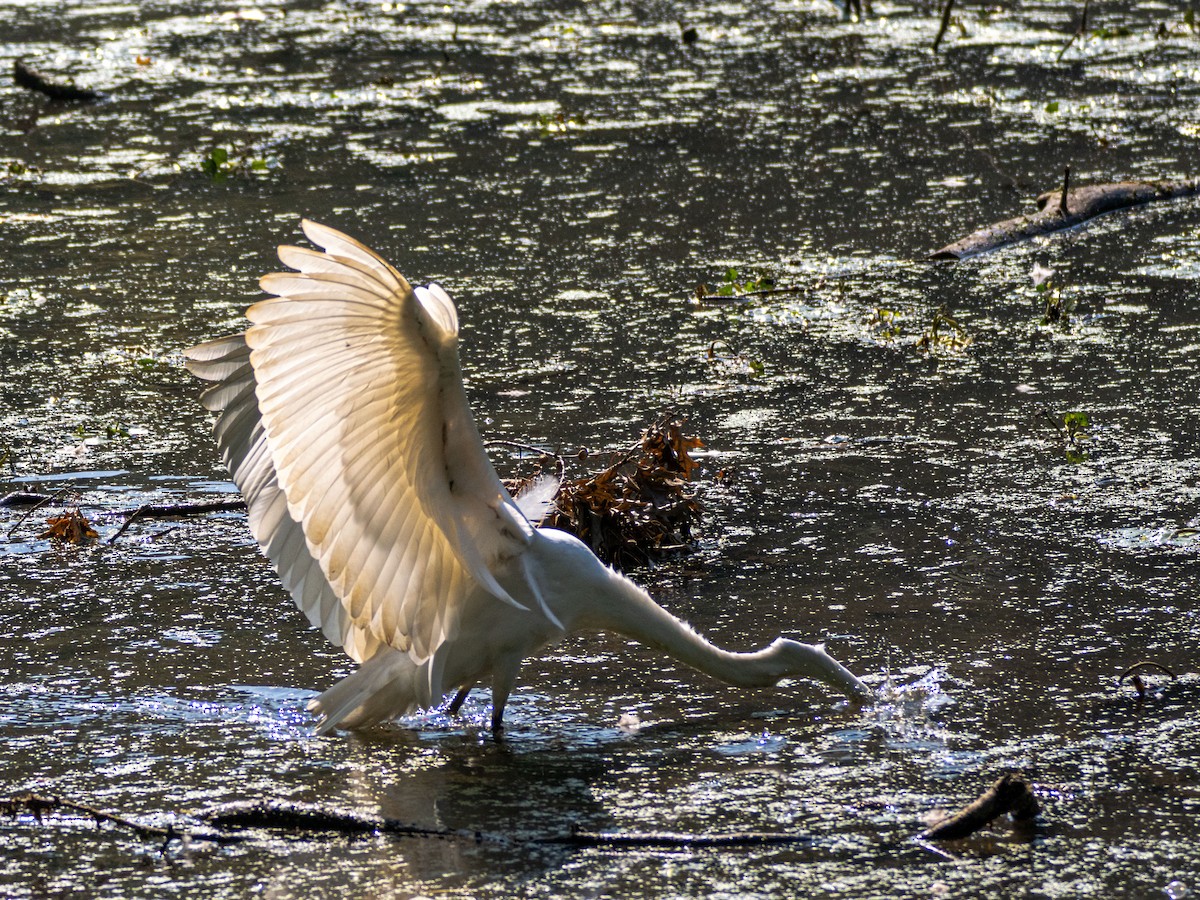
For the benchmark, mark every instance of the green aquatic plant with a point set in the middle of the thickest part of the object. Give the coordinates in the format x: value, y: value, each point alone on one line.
x: 16, y: 168
x: 222, y: 164
x: 944, y: 333
x: 1073, y: 429
x: 885, y: 324
x: 109, y: 431
x: 217, y: 165
x: 734, y: 285
x: 1057, y: 303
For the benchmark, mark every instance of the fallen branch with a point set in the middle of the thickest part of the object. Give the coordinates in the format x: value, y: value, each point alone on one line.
x: 147, y: 510
x: 1081, y: 204
x: 151, y: 510
x: 38, y: 805
x: 303, y: 817
x: 1009, y: 794
x: 681, y: 841
x: 33, y: 80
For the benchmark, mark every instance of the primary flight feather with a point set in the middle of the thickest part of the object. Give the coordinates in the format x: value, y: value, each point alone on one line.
x: 342, y: 419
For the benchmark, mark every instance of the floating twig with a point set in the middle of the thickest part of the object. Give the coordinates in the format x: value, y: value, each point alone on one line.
x: 165, y: 510
x: 36, y: 506
x: 1010, y: 793
x: 125, y: 525
x: 1079, y: 32
x: 946, y: 10
x: 1146, y: 664
x: 1062, y: 195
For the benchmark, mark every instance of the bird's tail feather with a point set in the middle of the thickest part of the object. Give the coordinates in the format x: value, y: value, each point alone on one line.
x: 387, y: 685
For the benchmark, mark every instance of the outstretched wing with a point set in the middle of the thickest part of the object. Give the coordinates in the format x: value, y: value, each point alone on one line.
x: 243, y: 445
x: 367, y: 433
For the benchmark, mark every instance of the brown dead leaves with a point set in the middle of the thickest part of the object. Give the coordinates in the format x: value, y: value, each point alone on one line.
x: 70, y: 526
x: 639, y: 508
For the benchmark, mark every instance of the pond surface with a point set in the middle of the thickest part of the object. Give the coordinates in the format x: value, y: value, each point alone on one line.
x: 570, y: 172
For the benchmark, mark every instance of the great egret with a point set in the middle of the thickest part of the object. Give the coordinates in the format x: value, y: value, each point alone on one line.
x: 342, y: 418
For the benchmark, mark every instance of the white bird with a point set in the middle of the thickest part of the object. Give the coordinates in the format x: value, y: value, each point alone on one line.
x: 342, y: 418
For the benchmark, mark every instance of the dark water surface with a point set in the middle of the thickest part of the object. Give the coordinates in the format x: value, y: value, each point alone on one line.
x: 570, y: 172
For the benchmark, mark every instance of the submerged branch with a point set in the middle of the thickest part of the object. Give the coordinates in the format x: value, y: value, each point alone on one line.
x: 310, y: 819
x: 151, y: 510
x: 38, y: 805
x: 1058, y: 211
x: 33, y: 80
x: 668, y: 839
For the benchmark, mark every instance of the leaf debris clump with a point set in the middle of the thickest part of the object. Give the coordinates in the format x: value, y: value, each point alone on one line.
x: 641, y: 507
x: 70, y: 526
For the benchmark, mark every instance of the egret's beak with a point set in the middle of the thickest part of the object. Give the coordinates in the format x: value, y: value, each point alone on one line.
x: 834, y: 674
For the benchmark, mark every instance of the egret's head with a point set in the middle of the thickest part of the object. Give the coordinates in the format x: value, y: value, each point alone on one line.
x: 811, y: 661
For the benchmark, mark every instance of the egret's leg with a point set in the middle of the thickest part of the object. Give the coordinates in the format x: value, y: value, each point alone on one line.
x: 503, y: 676
x: 499, y: 699
x: 459, y: 699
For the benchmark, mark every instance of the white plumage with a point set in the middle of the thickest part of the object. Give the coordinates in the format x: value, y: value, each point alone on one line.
x: 342, y: 419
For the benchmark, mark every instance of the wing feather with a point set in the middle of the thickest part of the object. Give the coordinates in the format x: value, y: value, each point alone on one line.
x: 243, y: 446
x: 371, y: 441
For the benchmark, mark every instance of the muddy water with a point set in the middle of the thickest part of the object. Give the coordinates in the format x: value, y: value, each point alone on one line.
x: 570, y: 173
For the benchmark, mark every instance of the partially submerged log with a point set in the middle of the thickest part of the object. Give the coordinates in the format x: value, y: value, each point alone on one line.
x: 1010, y: 793
x: 1081, y: 204
x: 33, y: 80
x: 25, y: 498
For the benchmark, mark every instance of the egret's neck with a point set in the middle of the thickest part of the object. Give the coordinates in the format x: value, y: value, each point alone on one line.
x: 627, y: 609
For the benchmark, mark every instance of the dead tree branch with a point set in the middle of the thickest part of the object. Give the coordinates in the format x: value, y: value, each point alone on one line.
x: 1010, y: 793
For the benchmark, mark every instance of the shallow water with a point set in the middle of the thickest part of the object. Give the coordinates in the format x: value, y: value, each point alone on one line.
x: 570, y: 173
